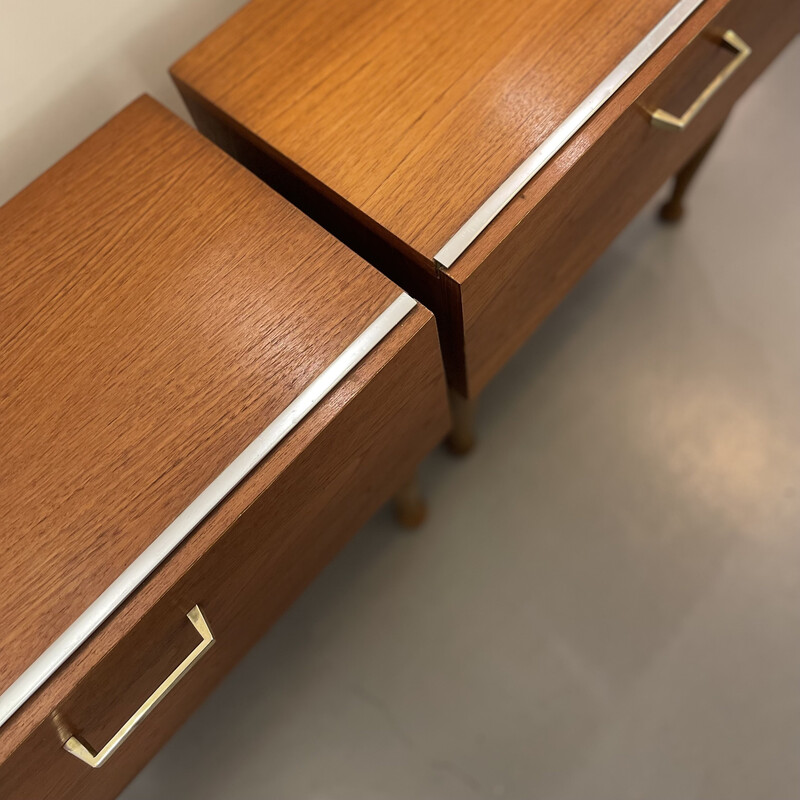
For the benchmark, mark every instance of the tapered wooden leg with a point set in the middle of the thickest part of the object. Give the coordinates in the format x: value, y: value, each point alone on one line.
x: 461, y: 438
x: 672, y: 210
x: 410, y: 509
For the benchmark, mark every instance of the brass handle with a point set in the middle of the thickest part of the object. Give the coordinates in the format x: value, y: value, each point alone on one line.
x: 80, y: 750
x: 663, y: 119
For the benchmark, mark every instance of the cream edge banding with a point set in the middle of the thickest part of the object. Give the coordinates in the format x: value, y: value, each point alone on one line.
x: 527, y: 170
x: 90, y: 620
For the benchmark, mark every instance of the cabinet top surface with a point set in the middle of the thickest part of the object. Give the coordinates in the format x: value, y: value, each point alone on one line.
x: 160, y: 308
x: 413, y: 111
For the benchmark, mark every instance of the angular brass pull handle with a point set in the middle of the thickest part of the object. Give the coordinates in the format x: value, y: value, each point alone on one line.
x: 80, y: 750
x: 663, y: 119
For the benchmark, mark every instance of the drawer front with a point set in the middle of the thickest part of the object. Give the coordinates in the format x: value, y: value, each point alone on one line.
x: 524, y: 278
x: 357, y: 450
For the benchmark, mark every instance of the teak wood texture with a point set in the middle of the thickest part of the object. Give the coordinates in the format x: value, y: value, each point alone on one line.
x: 547, y: 238
x: 390, y: 123
x: 243, y: 566
x: 160, y: 308
x: 163, y: 307
x: 412, y: 112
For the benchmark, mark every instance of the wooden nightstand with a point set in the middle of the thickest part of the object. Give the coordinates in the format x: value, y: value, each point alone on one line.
x: 484, y: 154
x: 205, y: 395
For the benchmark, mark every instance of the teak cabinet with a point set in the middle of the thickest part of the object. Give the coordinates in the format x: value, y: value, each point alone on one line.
x: 205, y: 395
x: 481, y: 155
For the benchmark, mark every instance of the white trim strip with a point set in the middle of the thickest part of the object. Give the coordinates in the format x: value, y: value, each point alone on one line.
x: 515, y: 182
x: 97, y: 613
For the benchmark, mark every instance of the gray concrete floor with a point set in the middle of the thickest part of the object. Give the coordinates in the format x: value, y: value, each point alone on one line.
x: 605, y: 601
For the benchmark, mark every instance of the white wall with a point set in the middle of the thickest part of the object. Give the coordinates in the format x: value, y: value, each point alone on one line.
x: 66, y: 66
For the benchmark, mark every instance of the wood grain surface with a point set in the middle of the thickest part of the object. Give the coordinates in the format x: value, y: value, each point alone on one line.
x: 160, y: 307
x: 526, y: 262
x: 244, y: 565
x: 393, y: 140
x: 411, y: 111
